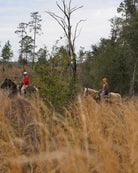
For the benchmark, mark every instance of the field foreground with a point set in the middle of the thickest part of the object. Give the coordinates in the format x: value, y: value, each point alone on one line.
x: 88, y: 138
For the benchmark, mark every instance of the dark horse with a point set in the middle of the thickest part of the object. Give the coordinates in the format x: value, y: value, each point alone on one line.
x: 15, y: 89
x: 8, y: 83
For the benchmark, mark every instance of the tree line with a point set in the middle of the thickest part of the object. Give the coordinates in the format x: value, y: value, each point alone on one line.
x: 115, y: 57
x: 63, y: 70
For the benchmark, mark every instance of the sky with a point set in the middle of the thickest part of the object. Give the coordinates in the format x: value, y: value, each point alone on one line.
x: 96, y: 14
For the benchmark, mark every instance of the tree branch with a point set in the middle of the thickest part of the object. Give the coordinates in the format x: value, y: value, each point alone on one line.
x: 76, y: 29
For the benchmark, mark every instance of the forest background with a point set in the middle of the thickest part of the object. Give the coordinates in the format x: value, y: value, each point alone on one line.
x: 56, y: 129
x: 63, y: 72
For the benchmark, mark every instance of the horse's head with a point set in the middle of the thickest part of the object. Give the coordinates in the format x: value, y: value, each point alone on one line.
x: 8, y: 84
x: 85, y: 91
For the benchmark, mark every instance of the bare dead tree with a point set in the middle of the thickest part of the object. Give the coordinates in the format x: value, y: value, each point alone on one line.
x: 65, y: 22
x: 131, y: 89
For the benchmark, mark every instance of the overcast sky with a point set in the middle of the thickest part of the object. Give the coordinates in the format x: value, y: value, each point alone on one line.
x: 96, y: 13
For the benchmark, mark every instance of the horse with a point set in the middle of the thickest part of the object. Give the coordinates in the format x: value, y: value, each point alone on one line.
x: 30, y: 89
x: 110, y: 98
x: 16, y: 89
x: 9, y: 84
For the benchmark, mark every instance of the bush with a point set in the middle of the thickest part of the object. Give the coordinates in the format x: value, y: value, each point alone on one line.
x: 55, y: 90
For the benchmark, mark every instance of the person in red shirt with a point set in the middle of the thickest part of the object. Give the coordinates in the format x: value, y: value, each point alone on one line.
x: 25, y: 83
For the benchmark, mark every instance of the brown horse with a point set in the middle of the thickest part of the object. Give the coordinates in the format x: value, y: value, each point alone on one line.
x: 15, y: 89
x: 9, y: 84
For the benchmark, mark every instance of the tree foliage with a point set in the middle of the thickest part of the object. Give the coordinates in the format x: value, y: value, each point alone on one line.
x: 54, y: 89
x: 7, y: 53
x: 117, y: 57
x: 35, y: 27
x: 127, y: 8
x: 27, y: 47
x: 42, y: 56
x: 21, y: 31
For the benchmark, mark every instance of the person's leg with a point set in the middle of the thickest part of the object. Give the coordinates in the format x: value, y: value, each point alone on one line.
x: 22, y: 90
x: 101, y: 96
x: 25, y: 88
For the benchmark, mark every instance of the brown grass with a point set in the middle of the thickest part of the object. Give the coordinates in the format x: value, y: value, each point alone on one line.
x: 88, y: 138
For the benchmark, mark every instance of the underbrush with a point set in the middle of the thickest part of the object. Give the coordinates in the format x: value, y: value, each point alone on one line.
x: 88, y: 138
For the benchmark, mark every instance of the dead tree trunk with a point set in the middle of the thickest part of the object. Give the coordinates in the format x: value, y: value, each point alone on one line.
x: 131, y: 89
x: 65, y: 22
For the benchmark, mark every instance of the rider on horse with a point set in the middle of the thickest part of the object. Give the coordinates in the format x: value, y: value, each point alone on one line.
x: 105, y: 89
x: 25, y: 83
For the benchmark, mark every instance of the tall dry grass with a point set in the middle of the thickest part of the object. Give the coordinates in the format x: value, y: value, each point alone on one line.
x: 88, y: 138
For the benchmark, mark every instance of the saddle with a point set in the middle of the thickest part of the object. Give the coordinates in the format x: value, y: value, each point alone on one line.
x: 107, y: 96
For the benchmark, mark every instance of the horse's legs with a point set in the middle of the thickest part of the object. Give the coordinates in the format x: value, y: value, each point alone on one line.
x: 12, y: 93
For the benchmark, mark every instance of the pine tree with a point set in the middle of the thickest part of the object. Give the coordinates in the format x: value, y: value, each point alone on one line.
x: 35, y: 27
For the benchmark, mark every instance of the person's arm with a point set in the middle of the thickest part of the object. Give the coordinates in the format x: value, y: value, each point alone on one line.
x: 22, y: 83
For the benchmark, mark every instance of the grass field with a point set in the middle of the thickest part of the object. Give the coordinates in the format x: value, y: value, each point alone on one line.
x: 87, y: 138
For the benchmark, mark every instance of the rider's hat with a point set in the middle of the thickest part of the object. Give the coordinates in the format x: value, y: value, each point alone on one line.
x: 25, y: 73
x: 104, y: 79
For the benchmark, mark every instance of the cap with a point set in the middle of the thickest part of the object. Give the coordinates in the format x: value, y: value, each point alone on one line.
x: 104, y: 79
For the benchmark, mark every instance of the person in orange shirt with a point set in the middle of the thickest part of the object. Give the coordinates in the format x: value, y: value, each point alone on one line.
x: 104, y: 89
x: 25, y: 83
